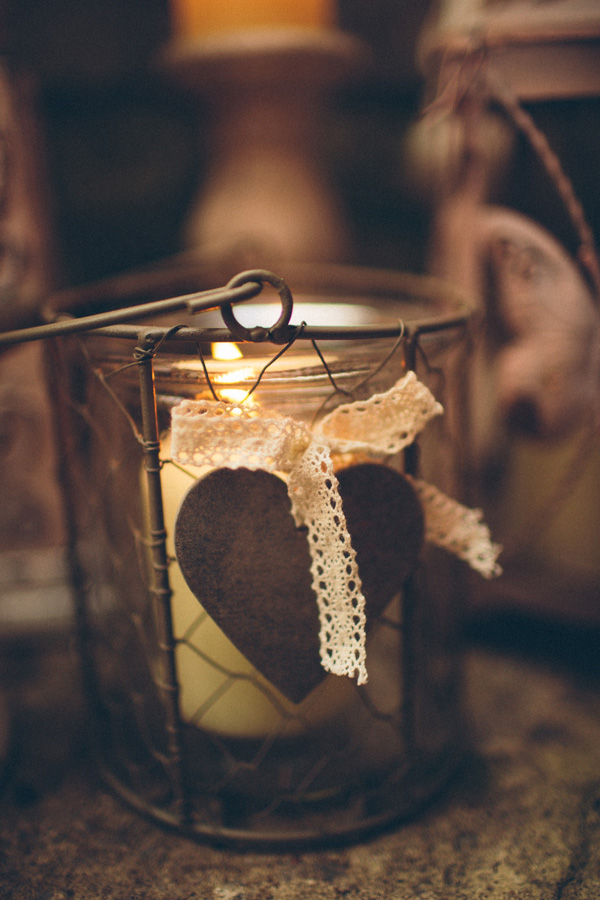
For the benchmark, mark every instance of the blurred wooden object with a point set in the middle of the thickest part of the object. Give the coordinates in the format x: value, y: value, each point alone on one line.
x: 540, y: 51
x: 535, y: 451
x: 31, y: 527
x: 267, y: 197
x: 26, y: 256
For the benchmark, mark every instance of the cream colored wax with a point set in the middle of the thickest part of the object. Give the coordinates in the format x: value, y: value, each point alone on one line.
x: 247, y: 706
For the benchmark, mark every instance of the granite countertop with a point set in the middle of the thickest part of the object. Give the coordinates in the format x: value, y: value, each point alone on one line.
x: 522, y: 822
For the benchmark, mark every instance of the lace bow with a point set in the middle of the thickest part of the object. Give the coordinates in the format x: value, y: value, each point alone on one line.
x: 231, y: 435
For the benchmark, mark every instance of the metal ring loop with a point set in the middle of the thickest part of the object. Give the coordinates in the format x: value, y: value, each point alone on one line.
x: 278, y: 332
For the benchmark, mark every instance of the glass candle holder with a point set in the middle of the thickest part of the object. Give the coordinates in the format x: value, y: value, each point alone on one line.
x: 187, y: 729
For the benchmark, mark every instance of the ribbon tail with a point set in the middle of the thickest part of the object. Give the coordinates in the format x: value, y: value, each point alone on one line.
x: 313, y: 490
x: 458, y: 529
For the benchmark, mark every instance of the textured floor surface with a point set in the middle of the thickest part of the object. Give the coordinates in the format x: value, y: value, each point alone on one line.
x: 523, y: 823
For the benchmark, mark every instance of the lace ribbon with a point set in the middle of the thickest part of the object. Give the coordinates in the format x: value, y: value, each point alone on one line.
x: 458, y: 529
x: 206, y: 433
x: 385, y: 423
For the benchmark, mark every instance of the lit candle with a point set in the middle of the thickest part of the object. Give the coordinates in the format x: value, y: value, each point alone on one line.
x: 245, y: 705
x: 197, y: 18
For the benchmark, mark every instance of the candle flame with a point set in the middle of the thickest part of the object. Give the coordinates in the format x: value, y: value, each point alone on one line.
x: 234, y: 395
x: 225, y: 350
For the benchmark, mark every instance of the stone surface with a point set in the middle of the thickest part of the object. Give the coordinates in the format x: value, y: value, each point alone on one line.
x: 522, y: 823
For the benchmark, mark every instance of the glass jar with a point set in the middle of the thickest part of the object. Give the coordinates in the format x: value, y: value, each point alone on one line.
x: 187, y: 729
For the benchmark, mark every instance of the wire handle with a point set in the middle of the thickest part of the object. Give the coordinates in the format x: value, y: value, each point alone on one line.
x: 197, y: 302
x: 278, y: 333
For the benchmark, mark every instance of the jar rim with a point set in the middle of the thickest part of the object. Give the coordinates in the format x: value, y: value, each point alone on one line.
x: 437, y: 305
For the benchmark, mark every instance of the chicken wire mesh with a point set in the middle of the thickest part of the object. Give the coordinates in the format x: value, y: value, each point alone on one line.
x: 185, y: 728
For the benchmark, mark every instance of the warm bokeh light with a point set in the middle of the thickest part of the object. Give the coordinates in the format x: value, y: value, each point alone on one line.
x: 196, y: 18
x: 225, y: 351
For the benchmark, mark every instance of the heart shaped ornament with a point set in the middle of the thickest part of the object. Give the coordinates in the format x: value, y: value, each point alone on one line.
x: 248, y: 564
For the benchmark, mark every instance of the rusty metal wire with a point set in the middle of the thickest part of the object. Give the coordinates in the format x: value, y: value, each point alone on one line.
x: 524, y: 122
x: 295, y: 784
x: 465, y: 77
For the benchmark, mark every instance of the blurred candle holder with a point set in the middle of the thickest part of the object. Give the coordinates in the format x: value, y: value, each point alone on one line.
x: 264, y: 72
x: 186, y: 730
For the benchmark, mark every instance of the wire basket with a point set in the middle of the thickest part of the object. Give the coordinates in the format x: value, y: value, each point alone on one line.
x: 186, y: 728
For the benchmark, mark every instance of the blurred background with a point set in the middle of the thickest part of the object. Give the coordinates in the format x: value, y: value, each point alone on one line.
x: 121, y: 142
x: 126, y: 146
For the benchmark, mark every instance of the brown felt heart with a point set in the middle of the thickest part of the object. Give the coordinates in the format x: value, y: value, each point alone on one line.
x: 249, y: 565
